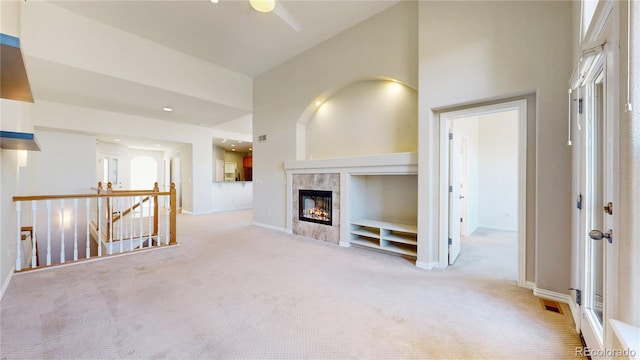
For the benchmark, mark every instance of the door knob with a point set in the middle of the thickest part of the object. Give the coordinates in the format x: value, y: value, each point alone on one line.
x: 599, y: 235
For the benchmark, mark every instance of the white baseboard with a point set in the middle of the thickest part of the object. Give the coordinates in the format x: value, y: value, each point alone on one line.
x: 427, y: 265
x: 529, y: 285
x: 344, y: 244
x: 6, y: 283
x: 502, y: 228
x: 270, y: 227
x: 552, y: 295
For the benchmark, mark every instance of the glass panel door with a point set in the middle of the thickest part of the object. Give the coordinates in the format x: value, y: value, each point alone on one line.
x: 595, y: 249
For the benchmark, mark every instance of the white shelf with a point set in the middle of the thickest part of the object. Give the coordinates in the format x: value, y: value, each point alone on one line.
x: 387, y: 236
x: 401, y: 238
x: 366, y: 232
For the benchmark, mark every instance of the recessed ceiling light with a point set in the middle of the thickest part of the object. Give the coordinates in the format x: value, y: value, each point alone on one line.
x: 117, y: 140
x: 233, y: 149
x: 167, y: 109
x: 157, y: 144
x: 232, y: 145
x: 318, y: 103
x: 250, y: 149
x: 214, y: 1
x: 239, y: 141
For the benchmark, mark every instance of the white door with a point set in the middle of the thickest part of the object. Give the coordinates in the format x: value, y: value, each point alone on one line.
x: 108, y: 170
x: 463, y: 186
x: 454, y: 196
x: 597, y: 236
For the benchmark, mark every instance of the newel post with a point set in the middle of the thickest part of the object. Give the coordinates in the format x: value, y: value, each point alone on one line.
x: 156, y: 189
x: 173, y: 209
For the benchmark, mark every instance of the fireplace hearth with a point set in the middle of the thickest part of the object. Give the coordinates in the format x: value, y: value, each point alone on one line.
x: 315, y: 206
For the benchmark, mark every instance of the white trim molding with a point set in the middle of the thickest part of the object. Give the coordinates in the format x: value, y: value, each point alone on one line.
x: 270, y: 227
x: 443, y: 197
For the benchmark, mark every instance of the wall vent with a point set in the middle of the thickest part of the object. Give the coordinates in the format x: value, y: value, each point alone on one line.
x: 262, y: 138
x: 551, y: 305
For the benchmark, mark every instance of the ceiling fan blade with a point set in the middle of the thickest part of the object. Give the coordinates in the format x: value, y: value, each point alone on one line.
x: 284, y: 15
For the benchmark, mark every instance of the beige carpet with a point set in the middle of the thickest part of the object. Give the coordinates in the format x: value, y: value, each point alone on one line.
x: 232, y: 290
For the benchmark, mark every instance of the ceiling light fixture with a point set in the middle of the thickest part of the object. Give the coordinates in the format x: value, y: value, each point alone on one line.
x: 158, y: 145
x: 214, y: 1
x: 318, y: 103
x: 264, y: 6
x: 233, y: 149
x: 167, y: 109
x: 117, y: 140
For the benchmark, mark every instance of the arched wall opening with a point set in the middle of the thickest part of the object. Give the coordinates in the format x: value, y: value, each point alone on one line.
x: 365, y: 117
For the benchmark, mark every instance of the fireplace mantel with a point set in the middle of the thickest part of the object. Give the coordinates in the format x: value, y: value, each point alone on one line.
x: 406, y: 162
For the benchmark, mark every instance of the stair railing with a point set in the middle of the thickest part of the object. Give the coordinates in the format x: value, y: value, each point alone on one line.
x: 71, y: 222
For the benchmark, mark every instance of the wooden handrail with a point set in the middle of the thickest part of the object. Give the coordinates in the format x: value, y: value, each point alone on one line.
x: 84, y: 196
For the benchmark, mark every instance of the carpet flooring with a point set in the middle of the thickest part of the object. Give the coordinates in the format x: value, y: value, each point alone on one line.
x: 231, y: 290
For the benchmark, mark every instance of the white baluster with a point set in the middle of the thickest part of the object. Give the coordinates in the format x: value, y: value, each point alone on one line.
x: 48, y: 232
x: 75, y: 229
x: 150, y: 222
x: 19, y: 236
x: 121, y: 224
x: 110, y: 226
x: 99, y: 226
x: 141, y: 220
x: 62, y: 231
x: 131, y: 221
x: 34, y: 245
x: 88, y: 245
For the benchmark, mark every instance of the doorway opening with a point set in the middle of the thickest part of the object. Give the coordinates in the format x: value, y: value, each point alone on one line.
x: 483, y: 180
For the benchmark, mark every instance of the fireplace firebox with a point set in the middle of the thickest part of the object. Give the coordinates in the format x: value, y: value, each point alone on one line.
x: 314, y: 206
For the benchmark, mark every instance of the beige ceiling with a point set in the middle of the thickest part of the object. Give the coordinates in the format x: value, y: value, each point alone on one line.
x: 228, y: 34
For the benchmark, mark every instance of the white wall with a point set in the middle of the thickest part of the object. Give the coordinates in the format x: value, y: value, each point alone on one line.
x: 498, y: 171
x: 476, y: 52
x: 10, y: 176
x: 66, y: 164
x: 232, y: 195
x: 336, y: 128
x: 382, y: 46
x: 156, y: 156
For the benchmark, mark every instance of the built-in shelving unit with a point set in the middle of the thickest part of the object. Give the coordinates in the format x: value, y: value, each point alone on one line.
x: 397, y: 238
x: 382, y: 213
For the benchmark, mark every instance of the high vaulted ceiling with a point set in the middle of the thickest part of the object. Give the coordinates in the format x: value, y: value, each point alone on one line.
x: 229, y: 34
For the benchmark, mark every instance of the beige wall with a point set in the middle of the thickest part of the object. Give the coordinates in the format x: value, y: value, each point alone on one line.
x: 342, y: 125
x: 382, y: 46
x: 483, y: 51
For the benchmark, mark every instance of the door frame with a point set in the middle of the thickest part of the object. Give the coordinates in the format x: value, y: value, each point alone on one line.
x: 445, y: 118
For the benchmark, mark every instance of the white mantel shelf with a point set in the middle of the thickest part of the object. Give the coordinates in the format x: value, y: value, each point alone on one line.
x: 406, y: 162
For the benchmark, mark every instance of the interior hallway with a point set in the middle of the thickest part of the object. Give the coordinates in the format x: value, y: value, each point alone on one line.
x: 233, y: 290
